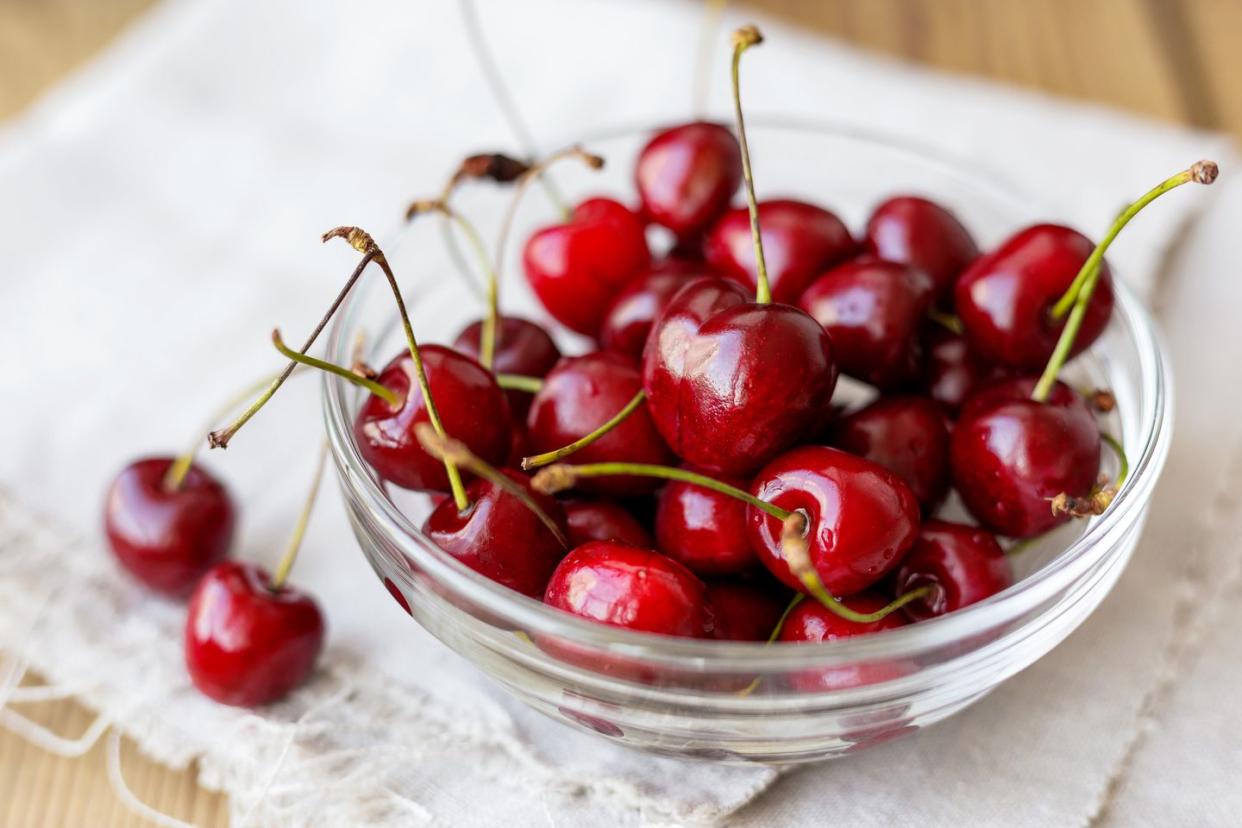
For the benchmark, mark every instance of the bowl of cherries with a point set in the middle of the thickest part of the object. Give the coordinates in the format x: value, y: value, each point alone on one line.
x: 750, y: 479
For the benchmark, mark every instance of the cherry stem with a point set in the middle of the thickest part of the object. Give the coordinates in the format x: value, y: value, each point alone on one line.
x: 361, y: 241
x: 945, y: 320
x: 743, y: 39
x: 1081, y: 289
x: 221, y: 438
x: 299, y: 529
x: 776, y: 633
x: 713, y: 11
x: 1119, y: 450
x: 382, y: 391
x: 563, y: 475
x: 448, y: 449
x: 537, y: 460
x: 518, y: 382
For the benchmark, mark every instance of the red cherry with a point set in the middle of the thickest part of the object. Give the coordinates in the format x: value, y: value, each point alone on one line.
x: 964, y: 563
x: 625, y: 586
x: 704, y: 529
x: 923, y: 235
x: 906, y: 435
x: 580, y: 394
x: 522, y: 347
x: 874, y: 311
x: 800, y: 241
x: 1005, y: 298
x: 245, y: 643
x: 594, y: 520
x: 629, y: 318
x: 731, y: 383
x: 577, y: 268
x: 745, y: 610
x: 499, y: 536
x: 863, y: 517
x: 687, y: 174
x: 951, y: 370
x: 811, y: 623
x: 1010, y: 455
x: 167, y: 539
x: 471, y: 405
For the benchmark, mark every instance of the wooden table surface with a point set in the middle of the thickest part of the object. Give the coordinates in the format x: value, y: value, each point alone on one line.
x: 1178, y: 60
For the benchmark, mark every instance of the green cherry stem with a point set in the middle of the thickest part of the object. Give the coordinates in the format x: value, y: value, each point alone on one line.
x: 519, y: 382
x: 945, y: 320
x: 775, y: 634
x: 1115, y: 444
x: 537, y: 460
x: 743, y: 39
x: 299, y: 529
x: 1076, y: 299
x: 382, y: 391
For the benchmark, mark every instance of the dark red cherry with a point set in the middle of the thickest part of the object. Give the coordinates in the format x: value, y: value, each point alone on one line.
x: 245, y: 643
x: 167, y: 539
x: 596, y: 520
x: 629, y: 318
x: 1004, y: 299
x: 625, y: 586
x: 907, y: 435
x: 964, y: 563
x: 472, y: 408
x: 704, y: 529
x: 874, y: 311
x: 577, y: 268
x: 951, y: 370
x: 745, y: 610
x: 731, y: 383
x: 522, y: 347
x: 863, y: 517
x: 499, y: 536
x: 1010, y: 455
x: 800, y: 241
x: 687, y: 174
x: 923, y: 235
x: 812, y: 623
x: 582, y: 393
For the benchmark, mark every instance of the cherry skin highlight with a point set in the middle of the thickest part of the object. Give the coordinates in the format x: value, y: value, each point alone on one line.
x: 687, y: 174
x: 629, y: 318
x: 167, y: 539
x: 1006, y: 297
x: 920, y: 233
x: 704, y: 529
x: 1010, y: 455
x: 522, y: 347
x: 246, y: 644
x: 599, y: 520
x: 745, y: 610
x: 964, y: 563
x: 863, y: 517
x: 471, y: 405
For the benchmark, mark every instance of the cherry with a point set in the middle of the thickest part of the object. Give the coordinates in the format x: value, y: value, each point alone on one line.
x: 812, y: 623
x: 800, y: 241
x: 906, y: 435
x: 923, y: 235
x: 595, y: 520
x: 580, y: 394
x: 522, y: 347
x: 1011, y: 455
x: 578, y: 267
x: 248, y: 643
x: 500, y: 537
x: 964, y: 563
x: 951, y: 370
x: 629, y: 318
x: 626, y: 586
x: 167, y: 536
x: 745, y: 610
x: 862, y: 517
x: 874, y: 311
x: 1005, y: 299
x: 704, y: 529
x: 686, y: 175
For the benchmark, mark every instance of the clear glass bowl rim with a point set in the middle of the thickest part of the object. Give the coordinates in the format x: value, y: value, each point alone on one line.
x: 535, y: 618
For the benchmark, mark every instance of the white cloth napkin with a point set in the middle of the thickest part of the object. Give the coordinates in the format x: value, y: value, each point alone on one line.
x: 160, y: 212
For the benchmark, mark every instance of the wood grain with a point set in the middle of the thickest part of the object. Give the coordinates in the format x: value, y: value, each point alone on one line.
x: 1178, y: 60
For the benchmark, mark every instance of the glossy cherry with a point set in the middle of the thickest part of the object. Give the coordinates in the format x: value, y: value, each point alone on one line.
x: 580, y: 394
x: 812, y: 623
x: 245, y: 643
x: 598, y: 520
x: 687, y: 174
x: 167, y: 538
x: 499, y: 536
x: 625, y: 586
x: 964, y: 563
x: 862, y: 517
x: 704, y: 529
x: 800, y: 241
x: 731, y: 383
x: 874, y: 311
x: 522, y: 347
x: 577, y: 268
x: 922, y: 234
x: 745, y: 610
x: 1010, y: 455
x: 471, y: 405
x: 1006, y: 297
x: 907, y: 435
x: 951, y: 370
x: 631, y: 315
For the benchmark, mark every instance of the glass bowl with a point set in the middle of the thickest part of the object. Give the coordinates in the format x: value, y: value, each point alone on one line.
x: 729, y: 701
